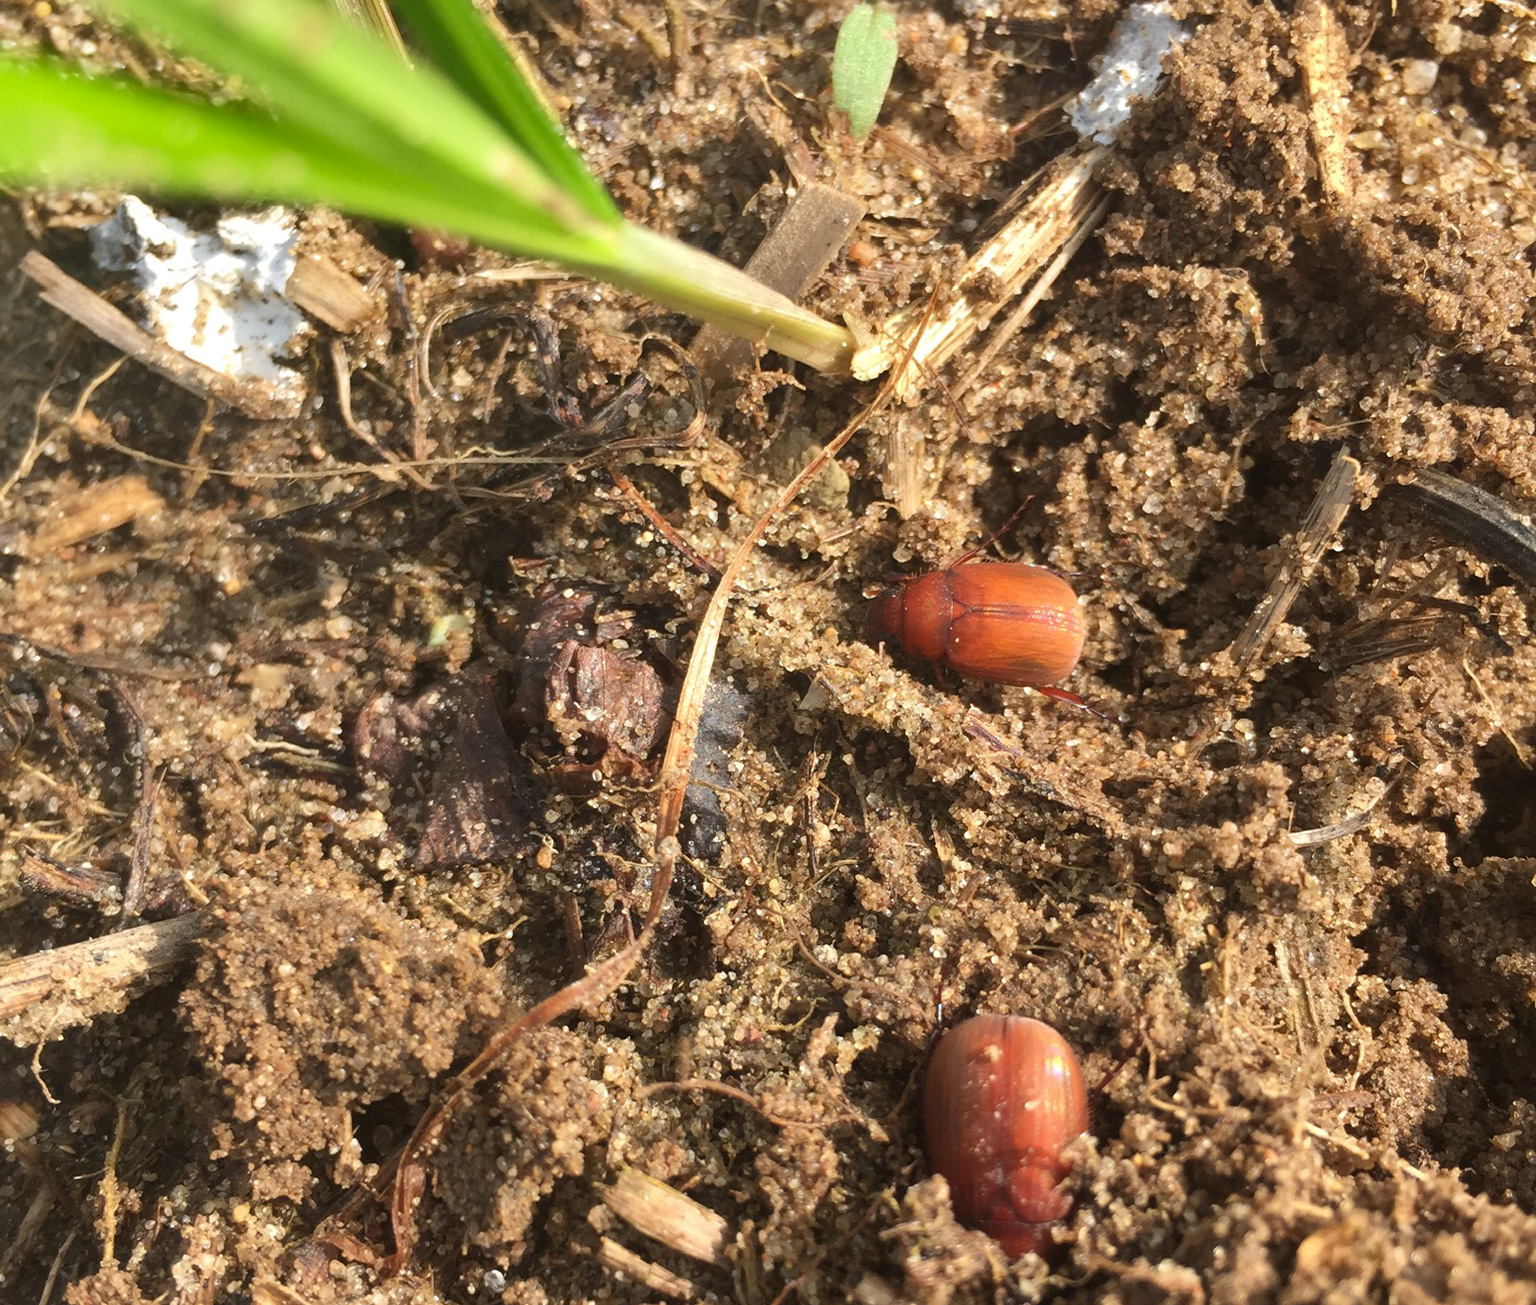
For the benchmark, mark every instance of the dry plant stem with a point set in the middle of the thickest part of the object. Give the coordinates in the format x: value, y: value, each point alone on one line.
x: 32, y: 1222
x: 719, y: 1089
x: 659, y: 523
x: 517, y: 46
x: 1522, y: 755
x: 72, y: 985
x: 803, y: 242
x: 329, y: 295
x: 1301, y: 556
x: 1477, y: 520
x: 904, y: 472
x: 640, y: 24
x: 648, y: 1275
x: 110, y: 1191
x: 57, y: 1267
x: 1058, y: 202
x: 681, y: 33
x: 341, y: 368
x: 94, y: 313
x: 143, y: 823
x: 664, y: 1214
x: 594, y: 986
x: 93, y: 511
x: 1172, y: 1280
x: 605, y: 979
x: 194, y: 480
x: 678, y: 760
x: 1352, y: 823
x: 1318, y: 528
x: 1016, y: 319
x: 1322, y: 50
x: 1385, y: 636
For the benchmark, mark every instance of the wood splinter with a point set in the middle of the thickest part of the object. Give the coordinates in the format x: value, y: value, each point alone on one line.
x: 101, y: 319
x: 45, y: 993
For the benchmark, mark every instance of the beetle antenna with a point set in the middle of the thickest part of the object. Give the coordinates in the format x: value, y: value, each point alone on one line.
x: 996, y: 534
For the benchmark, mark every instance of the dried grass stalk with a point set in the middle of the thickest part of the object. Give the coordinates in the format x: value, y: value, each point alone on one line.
x: 1059, y: 204
x: 661, y: 1212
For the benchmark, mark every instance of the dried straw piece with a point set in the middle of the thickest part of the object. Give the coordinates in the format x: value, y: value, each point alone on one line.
x: 329, y: 295
x: 1322, y: 50
x: 1351, y: 824
x: 1059, y: 205
x: 1318, y: 528
x: 661, y: 1212
x: 803, y: 242
x: 93, y: 511
x: 18, y: 1121
x: 649, y: 1275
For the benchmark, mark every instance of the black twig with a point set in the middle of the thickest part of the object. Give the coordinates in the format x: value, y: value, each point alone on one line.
x: 1475, y: 519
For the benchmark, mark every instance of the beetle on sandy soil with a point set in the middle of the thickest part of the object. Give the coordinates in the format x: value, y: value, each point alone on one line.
x: 1004, y: 1097
x: 1003, y: 622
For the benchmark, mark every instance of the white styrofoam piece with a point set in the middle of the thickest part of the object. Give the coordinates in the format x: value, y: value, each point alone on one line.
x: 1130, y: 69
x: 215, y: 296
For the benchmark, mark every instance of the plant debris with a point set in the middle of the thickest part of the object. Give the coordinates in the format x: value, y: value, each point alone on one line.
x: 544, y: 826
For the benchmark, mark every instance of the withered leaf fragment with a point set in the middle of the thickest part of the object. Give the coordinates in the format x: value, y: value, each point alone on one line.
x: 591, y: 691
x: 452, y: 733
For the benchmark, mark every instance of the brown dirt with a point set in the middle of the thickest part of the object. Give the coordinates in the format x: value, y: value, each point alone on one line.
x: 1316, y: 1062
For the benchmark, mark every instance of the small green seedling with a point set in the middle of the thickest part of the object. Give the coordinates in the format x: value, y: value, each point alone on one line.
x: 458, y: 142
x: 862, y: 63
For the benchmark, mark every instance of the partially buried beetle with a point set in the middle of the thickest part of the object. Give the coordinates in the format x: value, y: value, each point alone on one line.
x: 1004, y: 1096
x: 1003, y: 622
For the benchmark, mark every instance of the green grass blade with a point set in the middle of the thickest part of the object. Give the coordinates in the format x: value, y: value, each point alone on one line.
x: 61, y: 128
x: 464, y: 47
x: 862, y: 63
x: 348, y: 125
x: 701, y: 285
x: 317, y: 71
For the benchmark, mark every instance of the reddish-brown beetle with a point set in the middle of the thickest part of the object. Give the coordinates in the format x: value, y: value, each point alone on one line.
x: 999, y: 621
x: 1004, y: 1096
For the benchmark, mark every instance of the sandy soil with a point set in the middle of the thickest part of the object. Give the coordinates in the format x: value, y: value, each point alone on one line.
x: 331, y: 735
